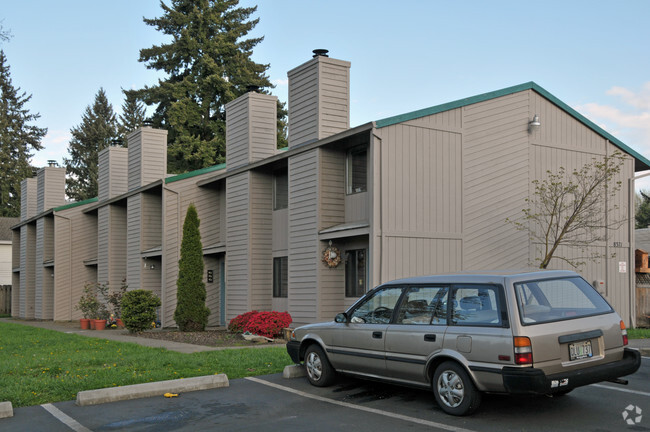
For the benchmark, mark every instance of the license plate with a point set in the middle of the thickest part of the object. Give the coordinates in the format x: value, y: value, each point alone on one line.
x: 580, y: 350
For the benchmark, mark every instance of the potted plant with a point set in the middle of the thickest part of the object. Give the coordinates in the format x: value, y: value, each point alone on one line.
x: 114, y: 299
x: 88, y: 305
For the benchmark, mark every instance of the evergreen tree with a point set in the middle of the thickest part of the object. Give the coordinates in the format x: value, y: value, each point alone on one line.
x: 642, y: 213
x: 133, y: 114
x: 191, y: 312
x: 208, y: 63
x: 18, y: 138
x: 98, y: 128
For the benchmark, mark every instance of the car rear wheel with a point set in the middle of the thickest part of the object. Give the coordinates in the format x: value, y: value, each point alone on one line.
x: 454, y: 390
x: 319, y: 370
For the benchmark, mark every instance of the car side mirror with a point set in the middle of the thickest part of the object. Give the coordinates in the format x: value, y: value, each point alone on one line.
x: 341, y: 318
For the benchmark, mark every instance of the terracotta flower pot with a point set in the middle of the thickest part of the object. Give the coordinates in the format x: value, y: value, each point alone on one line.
x: 120, y: 323
x: 100, y: 324
x: 84, y: 323
x: 92, y: 324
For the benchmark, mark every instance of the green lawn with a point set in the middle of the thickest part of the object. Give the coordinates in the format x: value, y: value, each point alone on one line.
x: 40, y: 366
x: 638, y: 333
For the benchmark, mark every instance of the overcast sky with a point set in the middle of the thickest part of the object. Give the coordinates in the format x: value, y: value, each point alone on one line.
x: 405, y: 55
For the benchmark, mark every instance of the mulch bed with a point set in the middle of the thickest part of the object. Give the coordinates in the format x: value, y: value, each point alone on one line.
x: 218, y: 338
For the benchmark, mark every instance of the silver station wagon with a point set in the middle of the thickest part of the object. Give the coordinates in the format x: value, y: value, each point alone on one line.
x: 542, y: 332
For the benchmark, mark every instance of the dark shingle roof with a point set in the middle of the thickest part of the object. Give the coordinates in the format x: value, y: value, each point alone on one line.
x: 5, y: 227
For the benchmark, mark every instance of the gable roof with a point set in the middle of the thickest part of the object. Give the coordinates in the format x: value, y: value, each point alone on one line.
x: 641, y: 162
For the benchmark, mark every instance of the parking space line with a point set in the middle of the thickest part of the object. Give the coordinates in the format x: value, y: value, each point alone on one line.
x: 624, y: 390
x: 65, y: 419
x: 361, y: 408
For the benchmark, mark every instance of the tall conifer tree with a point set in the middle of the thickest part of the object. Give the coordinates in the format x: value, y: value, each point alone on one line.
x: 208, y: 64
x: 98, y: 128
x: 18, y: 139
x: 133, y: 114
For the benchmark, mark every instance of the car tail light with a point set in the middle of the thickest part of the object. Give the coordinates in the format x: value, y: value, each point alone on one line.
x: 523, y: 351
x: 623, y: 333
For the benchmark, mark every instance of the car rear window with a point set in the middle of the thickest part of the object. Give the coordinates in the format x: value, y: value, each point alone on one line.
x: 550, y: 300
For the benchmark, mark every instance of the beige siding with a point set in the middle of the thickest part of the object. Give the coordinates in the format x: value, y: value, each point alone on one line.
x: 15, y: 275
x: 112, y: 172
x: 28, y: 191
x: 76, y: 235
x: 332, y: 204
x: 496, y: 182
x: 39, y: 312
x: 15, y: 294
x: 319, y: 100
x: 151, y: 220
x: 260, y: 248
x: 238, y: 270
x: 177, y: 197
x: 50, y: 188
x: 303, y: 236
x: 27, y: 270
x: 147, y: 156
x: 251, y: 129
x: 134, y: 262
x: 111, y: 244
x: 421, y: 200
x: 48, y: 239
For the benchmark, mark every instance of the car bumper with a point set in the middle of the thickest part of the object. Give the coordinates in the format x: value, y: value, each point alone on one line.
x: 535, y: 381
x: 293, y: 349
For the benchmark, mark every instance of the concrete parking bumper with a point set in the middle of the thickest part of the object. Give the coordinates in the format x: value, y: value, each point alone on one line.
x: 6, y: 410
x: 135, y: 391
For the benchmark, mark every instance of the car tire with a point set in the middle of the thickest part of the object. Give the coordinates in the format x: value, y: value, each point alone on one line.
x: 319, y: 370
x: 454, y: 390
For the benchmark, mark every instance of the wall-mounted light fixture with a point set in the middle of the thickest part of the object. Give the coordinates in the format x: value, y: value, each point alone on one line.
x: 534, y: 124
x: 152, y: 266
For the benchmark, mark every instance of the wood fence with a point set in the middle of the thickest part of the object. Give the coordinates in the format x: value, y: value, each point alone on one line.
x: 5, y: 299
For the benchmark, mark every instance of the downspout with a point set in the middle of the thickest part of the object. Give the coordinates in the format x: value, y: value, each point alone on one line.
x: 381, y: 204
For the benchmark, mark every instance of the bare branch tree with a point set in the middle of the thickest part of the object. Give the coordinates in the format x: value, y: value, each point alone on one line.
x: 573, y: 209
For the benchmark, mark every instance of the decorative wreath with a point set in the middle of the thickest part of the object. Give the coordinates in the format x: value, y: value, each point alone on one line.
x: 331, y: 256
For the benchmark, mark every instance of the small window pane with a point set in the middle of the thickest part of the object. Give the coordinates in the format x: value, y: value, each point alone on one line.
x: 280, y: 190
x: 280, y: 277
x: 378, y: 309
x: 357, y: 170
x: 476, y: 305
x: 355, y: 273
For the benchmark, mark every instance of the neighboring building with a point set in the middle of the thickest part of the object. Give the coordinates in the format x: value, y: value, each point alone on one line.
x: 5, y: 248
x: 420, y: 193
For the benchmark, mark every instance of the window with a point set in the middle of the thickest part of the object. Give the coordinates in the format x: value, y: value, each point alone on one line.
x: 280, y: 277
x: 476, y: 305
x: 378, y: 309
x: 280, y: 190
x: 424, y: 306
x: 357, y: 170
x: 355, y: 273
x: 558, y: 299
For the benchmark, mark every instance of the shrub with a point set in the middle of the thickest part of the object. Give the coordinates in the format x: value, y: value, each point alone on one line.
x: 268, y: 324
x: 191, y: 312
x: 139, y: 309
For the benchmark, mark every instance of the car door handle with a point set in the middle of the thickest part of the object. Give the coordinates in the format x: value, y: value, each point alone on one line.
x: 376, y: 335
x: 429, y: 338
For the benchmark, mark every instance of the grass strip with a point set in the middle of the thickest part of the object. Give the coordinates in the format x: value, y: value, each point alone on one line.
x: 638, y: 333
x: 43, y: 366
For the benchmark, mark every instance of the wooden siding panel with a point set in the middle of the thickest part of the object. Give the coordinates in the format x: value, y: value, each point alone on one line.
x: 238, y: 269
x: 151, y: 220
x: 496, y: 179
x: 134, y: 241
x: 38, y: 270
x: 27, y: 270
x: 261, y: 245
x: 332, y: 205
x: 303, y: 106
x: 237, y: 133
x: 28, y: 198
x: 303, y: 236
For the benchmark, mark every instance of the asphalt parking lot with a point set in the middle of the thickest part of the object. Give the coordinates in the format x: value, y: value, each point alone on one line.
x: 271, y: 403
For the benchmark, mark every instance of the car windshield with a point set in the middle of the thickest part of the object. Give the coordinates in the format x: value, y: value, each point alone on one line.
x: 550, y: 300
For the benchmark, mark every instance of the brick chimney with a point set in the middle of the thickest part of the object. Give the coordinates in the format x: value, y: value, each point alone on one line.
x: 319, y: 99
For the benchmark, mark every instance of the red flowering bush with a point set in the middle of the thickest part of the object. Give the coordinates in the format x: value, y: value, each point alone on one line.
x: 268, y: 324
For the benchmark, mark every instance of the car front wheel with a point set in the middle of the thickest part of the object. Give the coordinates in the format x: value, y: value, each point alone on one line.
x: 319, y: 370
x: 454, y: 390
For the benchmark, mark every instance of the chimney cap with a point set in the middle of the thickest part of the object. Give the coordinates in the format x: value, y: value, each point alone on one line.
x: 252, y: 88
x: 52, y: 163
x: 147, y: 123
x: 320, y: 53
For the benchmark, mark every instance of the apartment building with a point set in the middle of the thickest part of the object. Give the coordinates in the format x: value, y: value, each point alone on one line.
x: 310, y: 228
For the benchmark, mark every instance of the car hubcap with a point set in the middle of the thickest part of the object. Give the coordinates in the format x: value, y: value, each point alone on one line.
x: 451, y: 389
x: 314, y: 366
